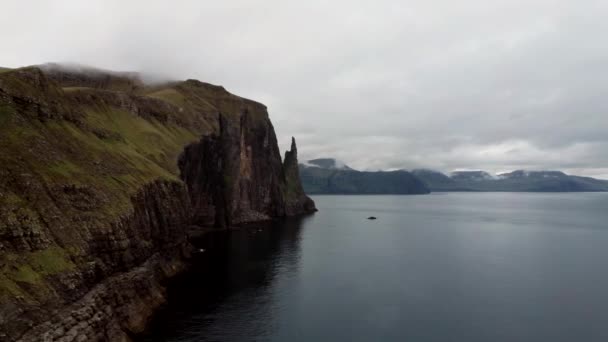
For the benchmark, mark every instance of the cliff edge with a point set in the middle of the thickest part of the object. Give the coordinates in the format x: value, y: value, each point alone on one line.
x: 100, y: 175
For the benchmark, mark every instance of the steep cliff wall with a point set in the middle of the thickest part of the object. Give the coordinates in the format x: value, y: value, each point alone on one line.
x: 232, y: 176
x: 94, y: 204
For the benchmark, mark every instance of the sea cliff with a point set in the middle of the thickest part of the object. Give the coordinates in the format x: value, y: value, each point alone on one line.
x: 101, y: 179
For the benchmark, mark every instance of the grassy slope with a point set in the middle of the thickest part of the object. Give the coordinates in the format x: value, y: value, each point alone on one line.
x: 145, y: 151
x: 130, y: 152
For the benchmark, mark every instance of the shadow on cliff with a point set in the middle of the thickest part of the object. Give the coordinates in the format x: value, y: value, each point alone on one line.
x: 237, y: 268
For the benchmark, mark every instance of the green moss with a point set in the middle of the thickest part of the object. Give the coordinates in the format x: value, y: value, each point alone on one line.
x: 31, y: 268
x: 16, y: 134
x: 11, y: 199
x: 71, y: 89
x: 6, y: 112
x: 9, y: 288
x: 50, y: 261
x: 73, y: 251
x: 25, y: 274
x: 65, y: 168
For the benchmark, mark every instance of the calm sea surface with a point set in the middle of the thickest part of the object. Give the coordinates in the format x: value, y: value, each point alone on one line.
x: 444, y: 267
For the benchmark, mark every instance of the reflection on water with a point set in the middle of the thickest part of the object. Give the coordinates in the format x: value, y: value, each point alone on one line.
x: 237, y: 267
x: 472, y: 267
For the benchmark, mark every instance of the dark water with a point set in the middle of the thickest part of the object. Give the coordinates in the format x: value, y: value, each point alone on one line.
x: 444, y: 267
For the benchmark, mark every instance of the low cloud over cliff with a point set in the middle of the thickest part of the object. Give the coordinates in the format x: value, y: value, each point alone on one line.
x: 495, y: 85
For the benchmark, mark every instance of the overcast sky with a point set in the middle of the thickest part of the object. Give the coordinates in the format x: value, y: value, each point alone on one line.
x: 469, y: 84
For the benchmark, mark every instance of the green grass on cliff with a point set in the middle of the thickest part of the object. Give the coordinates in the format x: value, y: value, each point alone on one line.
x: 137, y: 152
x: 111, y: 154
x: 5, y: 114
x: 170, y: 95
x: 71, y: 159
x: 153, y: 146
x: 112, y: 150
x: 59, y: 153
x: 24, y: 274
x: 65, y: 168
x: 50, y: 261
x: 71, y: 89
x: 30, y: 269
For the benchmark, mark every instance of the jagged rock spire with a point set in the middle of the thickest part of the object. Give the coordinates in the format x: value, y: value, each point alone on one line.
x: 291, y: 156
x: 294, y: 148
x: 295, y: 198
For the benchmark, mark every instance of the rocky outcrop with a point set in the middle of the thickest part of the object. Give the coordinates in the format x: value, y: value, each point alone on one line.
x: 100, y: 177
x: 296, y: 200
x: 236, y: 176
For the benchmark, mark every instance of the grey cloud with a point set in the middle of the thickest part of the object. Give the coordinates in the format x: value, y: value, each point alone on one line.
x: 494, y: 85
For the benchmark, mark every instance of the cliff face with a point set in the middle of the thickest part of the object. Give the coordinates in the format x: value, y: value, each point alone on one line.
x: 233, y: 176
x: 109, y: 293
x: 94, y: 204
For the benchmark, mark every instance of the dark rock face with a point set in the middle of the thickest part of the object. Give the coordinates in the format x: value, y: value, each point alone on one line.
x: 99, y: 178
x: 295, y: 199
x: 237, y: 176
x: 120, y: 285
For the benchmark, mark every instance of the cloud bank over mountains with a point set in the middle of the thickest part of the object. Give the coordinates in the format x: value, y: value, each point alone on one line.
x: 494, y: 85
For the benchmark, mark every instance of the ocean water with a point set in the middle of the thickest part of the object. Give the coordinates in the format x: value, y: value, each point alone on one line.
x: 442, y: 267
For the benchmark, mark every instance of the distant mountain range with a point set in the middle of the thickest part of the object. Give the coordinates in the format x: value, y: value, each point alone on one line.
x: 516, y: 181
x: 329, y: 176
x: 327, y: 163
